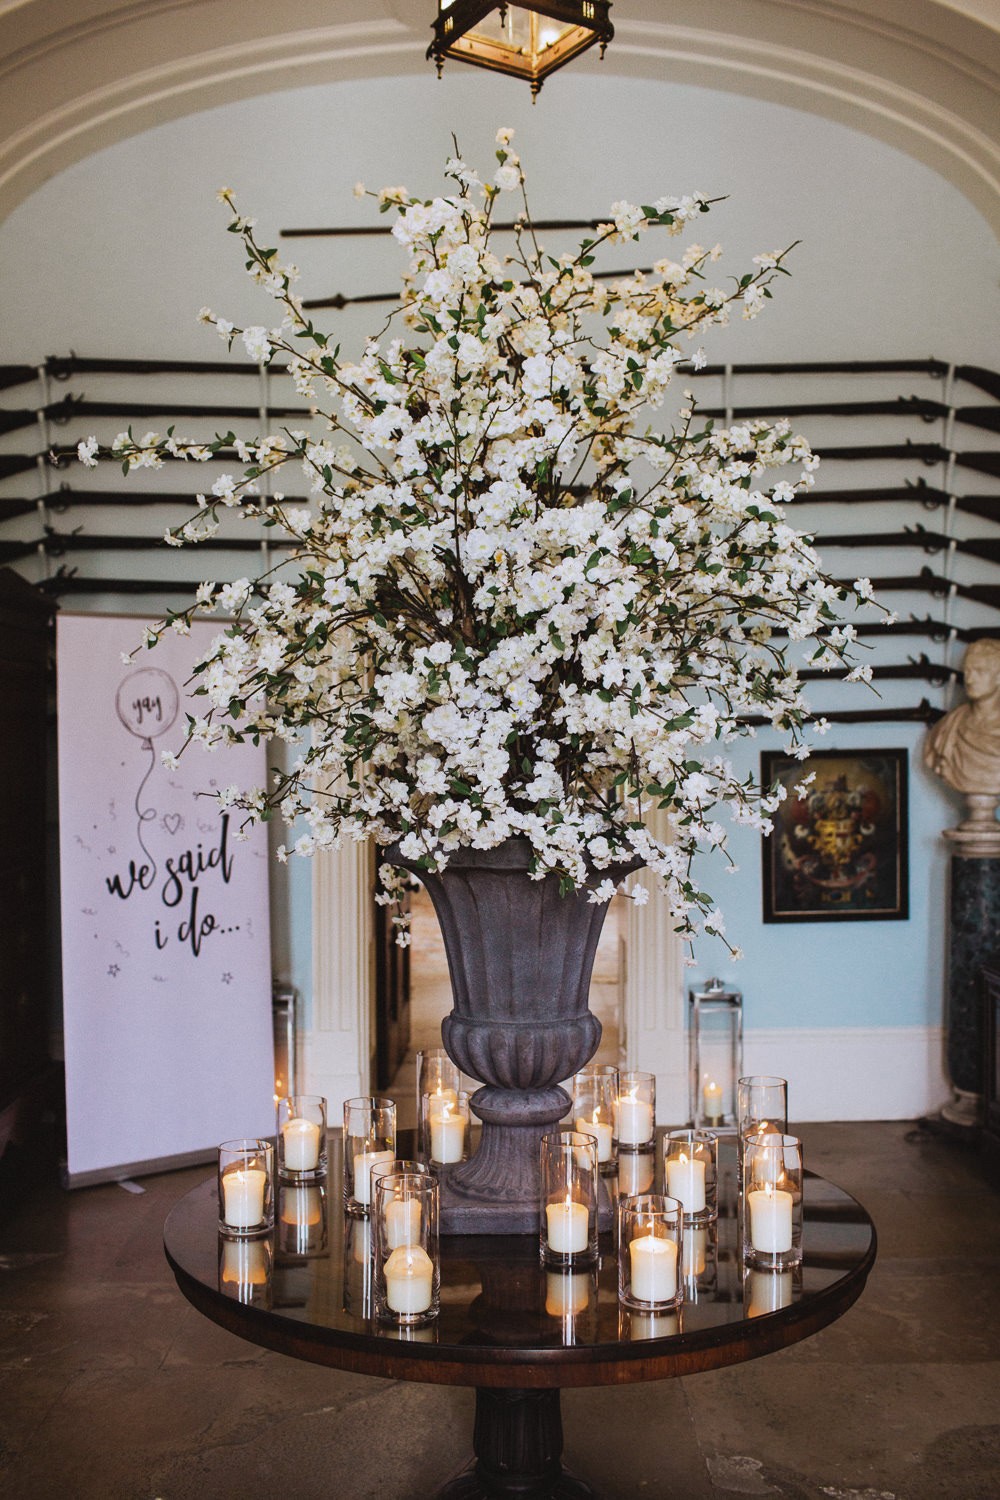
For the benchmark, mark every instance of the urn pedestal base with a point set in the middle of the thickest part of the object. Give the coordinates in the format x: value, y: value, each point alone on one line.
x: 518, y: 1444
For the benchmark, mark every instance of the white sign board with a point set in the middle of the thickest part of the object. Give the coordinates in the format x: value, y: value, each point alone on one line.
x: 165, y: 939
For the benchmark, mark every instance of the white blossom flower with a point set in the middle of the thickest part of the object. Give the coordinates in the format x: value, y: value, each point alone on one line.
x: 458, y: 646
x: 257, y: 344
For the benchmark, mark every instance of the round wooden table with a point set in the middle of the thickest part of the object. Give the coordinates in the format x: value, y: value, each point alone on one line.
x: 507, y: 1327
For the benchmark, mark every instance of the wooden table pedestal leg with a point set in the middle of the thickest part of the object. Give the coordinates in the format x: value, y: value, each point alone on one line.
x: 518, y: 1442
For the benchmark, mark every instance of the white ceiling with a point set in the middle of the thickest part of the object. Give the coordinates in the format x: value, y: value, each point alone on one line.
x: 77, y: 75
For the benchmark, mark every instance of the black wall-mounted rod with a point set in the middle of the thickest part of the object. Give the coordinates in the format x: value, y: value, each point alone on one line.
x: 921, y: 670
x: 71, y: 584
x: 929, y: 496
x: 934, y: 630
x: 65, y: 498
x: 987, y: 418
x: 984, y: 380
x: 988, y: 548
x: 64, y: 367
x: 57, y: 544
x: 928, y: 582
x: 983, y: 462
x: 383, y: 231
x: 72, y: 408
x: 922, y: 714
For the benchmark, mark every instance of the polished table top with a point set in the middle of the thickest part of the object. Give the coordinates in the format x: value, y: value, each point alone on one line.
x: 505, y: 1321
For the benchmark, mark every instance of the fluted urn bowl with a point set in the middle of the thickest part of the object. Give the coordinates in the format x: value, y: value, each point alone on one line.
x: 520, y: 957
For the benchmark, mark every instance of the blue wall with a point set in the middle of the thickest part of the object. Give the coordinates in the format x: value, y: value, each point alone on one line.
x: 838, y: 973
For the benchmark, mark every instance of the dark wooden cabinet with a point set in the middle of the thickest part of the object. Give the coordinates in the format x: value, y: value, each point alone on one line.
x: 24, y: 938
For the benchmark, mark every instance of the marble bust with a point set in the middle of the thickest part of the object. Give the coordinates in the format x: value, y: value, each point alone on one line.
x: 963, y: 748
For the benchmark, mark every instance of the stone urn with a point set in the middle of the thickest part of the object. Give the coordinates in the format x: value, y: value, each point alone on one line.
x: 520, y: 957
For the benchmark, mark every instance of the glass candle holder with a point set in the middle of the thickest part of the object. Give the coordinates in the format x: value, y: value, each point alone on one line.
x: 715, y: 1054
x: 567, y: 1219
x: 301, y: 1220
x: 407, y: 1266
x: 698, y: 1259
x: 691, y: 1172
x: 650, y: 1272
x: 245, y: 1270
x: 301, y: 1138
x: 571, y: 1299
x: 636, y: 1173
x: 761, y: 1104
x: 246, y: 1188
x: 635, y: 1112
x: 394, y: 1167
x: 595, y: 1094
x: 769, y: 1291
x: 448, y: 1129
x: 634, y: 1326
x: 369, y: 1137
x: 438, y: 1081
x: 772, y: 1201
x: 567, y: 1293
x: 358, y: 1267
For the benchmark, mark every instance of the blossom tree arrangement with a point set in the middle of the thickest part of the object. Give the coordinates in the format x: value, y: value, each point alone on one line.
x: 514, y: 607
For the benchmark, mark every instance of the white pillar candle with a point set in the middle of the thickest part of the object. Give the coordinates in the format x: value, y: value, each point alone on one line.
x: 565, y: 1296
x: 361, y: 1241
x: 635, y: 1121
x: 770, y: 1219
x: 769, y: 1292
x: 245, y: 1262
x: 409, y: 1279
x: 243, y: 1196
x: 653, y: 1264
x: 686, y: 1181
x: 363, y: 1163
x: 653, y: 1325
x: 301, y: 1144
x: 711, y: 1100
x: 402, y: 1222
x: 567, y: 1227
x: 601, y: 1132
x: 695, y: 1246
x: 768, y: 1165
x: 301, y: 1205
x: 636, y: 1173
x: 434, y: 1102
x: 447, y: 1133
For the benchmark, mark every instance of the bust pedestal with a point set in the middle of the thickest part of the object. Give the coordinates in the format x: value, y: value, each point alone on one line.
x: 974, y: 934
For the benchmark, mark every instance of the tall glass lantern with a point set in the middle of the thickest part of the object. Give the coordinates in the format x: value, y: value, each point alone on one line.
x: 715, y: 1054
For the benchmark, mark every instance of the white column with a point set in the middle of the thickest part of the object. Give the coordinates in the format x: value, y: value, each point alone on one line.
x: 335, y: 1051
x: 653, y: 1020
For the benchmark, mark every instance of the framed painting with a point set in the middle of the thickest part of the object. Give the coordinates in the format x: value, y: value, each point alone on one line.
x: 839, y: 847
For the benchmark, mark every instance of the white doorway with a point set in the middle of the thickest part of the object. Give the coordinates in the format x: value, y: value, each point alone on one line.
x: 430, y: 994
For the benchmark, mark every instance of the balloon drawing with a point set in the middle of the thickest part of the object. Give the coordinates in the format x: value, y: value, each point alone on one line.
x: 147, y: 702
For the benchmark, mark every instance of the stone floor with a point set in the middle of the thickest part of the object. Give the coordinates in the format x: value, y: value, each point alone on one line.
x: 113, y: 1388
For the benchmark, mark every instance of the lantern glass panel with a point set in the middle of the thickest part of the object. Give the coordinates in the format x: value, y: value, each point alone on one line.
x: 715, y: 1046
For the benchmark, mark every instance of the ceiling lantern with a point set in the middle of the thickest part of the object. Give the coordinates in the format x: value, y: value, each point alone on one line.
x: 530, y: 41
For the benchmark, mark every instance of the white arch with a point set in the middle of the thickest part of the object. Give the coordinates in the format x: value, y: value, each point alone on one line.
x: 923, y: 75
